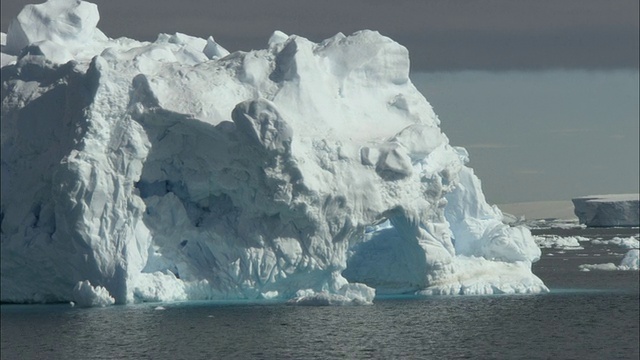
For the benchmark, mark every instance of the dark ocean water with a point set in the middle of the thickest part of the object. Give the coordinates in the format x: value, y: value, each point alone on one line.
x: 587, y: 315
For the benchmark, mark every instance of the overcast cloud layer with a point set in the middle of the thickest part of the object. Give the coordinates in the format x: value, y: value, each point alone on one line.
x: 441, y: 35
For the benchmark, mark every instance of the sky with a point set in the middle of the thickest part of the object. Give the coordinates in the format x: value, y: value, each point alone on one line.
x: 543, y: 94
x: 550, y: 135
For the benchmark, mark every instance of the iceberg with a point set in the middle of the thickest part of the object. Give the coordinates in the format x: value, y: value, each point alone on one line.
x: 171, y: 170
x: 619, y: 210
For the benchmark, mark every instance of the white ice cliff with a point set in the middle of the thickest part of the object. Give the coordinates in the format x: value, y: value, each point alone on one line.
x: 175, y: 170
x: 608, y: 210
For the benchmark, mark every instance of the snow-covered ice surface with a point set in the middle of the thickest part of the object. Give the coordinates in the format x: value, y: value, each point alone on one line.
x: 627, y: 242
x: 608, y: 210
x: 175, y: 170
x: 560, y: 242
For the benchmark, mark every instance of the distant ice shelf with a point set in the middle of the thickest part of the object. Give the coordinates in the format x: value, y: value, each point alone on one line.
x: 621, y: 210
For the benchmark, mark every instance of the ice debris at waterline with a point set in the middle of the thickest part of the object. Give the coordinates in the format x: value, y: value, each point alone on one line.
x: 559, y: 242
x: 173, y: 170
x: 627, y: 243
x: 630, y: 261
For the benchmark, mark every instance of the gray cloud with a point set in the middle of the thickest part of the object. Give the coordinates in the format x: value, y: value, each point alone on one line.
x: 529, y: 172
x: 488, y: 146
x: 440, y: 35
x: 571, y: 131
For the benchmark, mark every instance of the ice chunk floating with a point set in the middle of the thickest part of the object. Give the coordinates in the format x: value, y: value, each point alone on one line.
x: 173, y: 170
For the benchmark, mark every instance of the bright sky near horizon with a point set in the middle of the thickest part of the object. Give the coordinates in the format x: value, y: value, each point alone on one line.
x: 545, y: 135
x: 543, y: 94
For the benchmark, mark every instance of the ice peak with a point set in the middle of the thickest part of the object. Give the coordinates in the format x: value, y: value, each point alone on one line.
x: 67, y: 23
x: 278, y: 37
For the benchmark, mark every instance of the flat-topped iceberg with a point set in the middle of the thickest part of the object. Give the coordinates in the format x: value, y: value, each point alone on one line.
x: 621, y: 210
x: 175, y: 170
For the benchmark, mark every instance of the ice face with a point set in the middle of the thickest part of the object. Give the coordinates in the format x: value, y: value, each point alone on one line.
x: 173, y: 170
x: 86, y: 295
x: 608, y: 210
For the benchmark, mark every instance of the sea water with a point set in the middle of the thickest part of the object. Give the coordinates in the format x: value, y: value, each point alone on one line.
x: 587, y: 315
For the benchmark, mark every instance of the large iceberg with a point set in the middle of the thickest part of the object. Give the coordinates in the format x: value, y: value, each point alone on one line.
x: 175, y: 170
x: 621, y: 210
